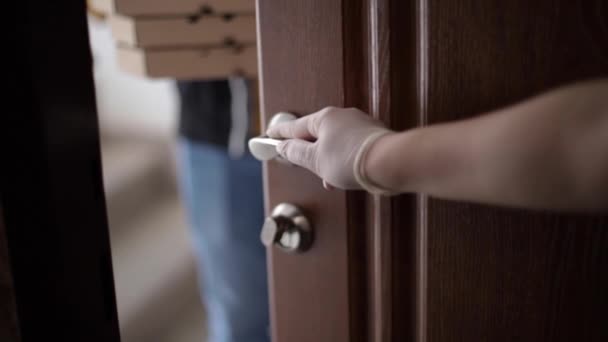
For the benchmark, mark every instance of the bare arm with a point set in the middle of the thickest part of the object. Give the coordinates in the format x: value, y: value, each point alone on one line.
x: 547, y: 152
x: 550, y: 151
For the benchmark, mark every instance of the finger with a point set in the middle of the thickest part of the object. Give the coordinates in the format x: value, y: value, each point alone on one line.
x: 328, y: 186
x: 306, y: 128
x: 297, y: 129
x: 299, y: 152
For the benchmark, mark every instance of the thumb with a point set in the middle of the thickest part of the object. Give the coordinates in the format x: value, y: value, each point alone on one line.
x: 300, y: 152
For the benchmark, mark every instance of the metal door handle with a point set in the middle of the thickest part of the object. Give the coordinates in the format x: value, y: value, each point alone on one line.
x: 288, y: 229
x: 264, y: 148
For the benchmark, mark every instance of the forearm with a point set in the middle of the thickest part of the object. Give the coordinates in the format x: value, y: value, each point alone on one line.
x: 434, y: 160
x: 549, y: 152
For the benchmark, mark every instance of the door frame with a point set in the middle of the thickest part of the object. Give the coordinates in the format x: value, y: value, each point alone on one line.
x: 52, y: 196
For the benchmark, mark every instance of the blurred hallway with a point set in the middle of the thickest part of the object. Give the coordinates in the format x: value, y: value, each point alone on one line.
x: 154, y: 270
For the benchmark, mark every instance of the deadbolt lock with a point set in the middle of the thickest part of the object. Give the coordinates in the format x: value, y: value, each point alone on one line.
x: 288, y: 229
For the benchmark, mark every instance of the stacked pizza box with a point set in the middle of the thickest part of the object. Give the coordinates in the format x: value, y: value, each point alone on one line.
x: 184, y: 39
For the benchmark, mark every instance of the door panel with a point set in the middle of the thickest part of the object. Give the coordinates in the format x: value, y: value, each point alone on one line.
x: 491, y: 274
x: 302, y: 72
x: 409, y: 267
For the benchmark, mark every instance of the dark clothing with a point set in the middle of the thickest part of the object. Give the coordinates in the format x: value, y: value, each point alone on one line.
x: 205, y: 111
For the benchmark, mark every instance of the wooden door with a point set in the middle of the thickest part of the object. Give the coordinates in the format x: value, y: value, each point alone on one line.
x: 311, y: 293
x: 412, y: 268
x: 486, y: 273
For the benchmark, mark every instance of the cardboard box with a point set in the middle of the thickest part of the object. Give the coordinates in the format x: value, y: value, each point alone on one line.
x: 189, y: 63
x: 101, y: 6
x: 209, y: 30
x: 174, y: 7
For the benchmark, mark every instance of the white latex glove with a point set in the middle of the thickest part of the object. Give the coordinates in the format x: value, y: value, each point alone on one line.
x: 329, y: 143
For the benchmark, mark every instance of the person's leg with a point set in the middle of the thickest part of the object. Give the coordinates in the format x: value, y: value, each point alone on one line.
x: 248, y: 314
x: 224, y: 204
x: 203, y: 184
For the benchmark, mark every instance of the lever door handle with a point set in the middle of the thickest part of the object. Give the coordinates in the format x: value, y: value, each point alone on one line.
x: 264, y: 148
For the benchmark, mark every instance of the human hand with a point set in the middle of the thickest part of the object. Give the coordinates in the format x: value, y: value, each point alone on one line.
x: 330, y: 143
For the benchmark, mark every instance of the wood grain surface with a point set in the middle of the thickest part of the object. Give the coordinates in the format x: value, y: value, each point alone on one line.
x: 486, y: 273
x: 302, y: 71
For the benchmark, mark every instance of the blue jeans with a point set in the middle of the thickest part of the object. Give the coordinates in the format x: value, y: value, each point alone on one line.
x: 224, y: 201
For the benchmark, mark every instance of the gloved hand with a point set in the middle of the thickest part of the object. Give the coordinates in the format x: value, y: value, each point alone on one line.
x: 331, y: 143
